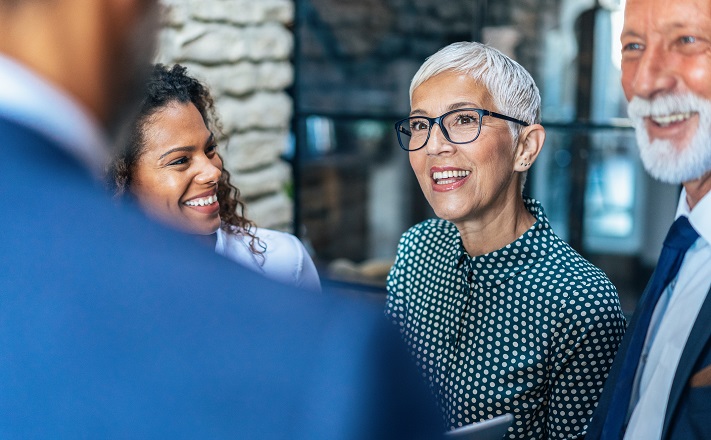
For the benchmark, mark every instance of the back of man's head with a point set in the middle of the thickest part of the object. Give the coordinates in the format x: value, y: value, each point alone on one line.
x: 98, y: 52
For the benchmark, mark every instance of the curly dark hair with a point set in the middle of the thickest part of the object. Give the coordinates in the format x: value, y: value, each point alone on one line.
x: 165, y: 86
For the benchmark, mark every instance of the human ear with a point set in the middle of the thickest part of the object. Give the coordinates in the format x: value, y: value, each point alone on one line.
x: 530, y: 142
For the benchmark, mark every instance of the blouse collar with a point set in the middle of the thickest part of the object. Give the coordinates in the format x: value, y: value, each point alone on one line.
x: 500, y: 265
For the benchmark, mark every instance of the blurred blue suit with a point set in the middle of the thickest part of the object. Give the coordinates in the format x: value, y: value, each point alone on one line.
x: 112, y: 326
x: 689, y: 404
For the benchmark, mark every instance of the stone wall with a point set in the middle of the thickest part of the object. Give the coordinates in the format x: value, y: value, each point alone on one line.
x: 241, y: 49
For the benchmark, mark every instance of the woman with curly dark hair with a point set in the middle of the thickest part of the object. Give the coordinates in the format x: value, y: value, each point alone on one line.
x: 171, y: 166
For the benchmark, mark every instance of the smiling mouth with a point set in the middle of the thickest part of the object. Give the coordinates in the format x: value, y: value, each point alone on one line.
x: 667, y: 120
x: 448, y: 177
x: 204, y: 201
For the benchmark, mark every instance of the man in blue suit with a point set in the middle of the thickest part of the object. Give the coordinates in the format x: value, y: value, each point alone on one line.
x: 660, y: 383
x: 110, y: 325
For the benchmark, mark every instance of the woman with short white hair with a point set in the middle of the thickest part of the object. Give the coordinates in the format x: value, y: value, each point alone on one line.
x: 501, y: 315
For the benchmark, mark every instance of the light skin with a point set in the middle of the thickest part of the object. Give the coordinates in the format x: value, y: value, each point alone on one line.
x: 486, y: 205
x: 175, y: 178
x: 666, y: 49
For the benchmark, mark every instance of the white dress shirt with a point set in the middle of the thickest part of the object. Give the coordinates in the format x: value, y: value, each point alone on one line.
x: 30, y: 100
x: 284, y: 259
x: 672, y: 321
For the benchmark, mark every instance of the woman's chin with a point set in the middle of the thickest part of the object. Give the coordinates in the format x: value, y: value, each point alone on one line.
x: 193, y: 227
x: 205, y: 228
x: 450, y: 215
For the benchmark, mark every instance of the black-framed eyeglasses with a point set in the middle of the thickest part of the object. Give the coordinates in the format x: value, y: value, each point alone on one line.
x: 459, y: 126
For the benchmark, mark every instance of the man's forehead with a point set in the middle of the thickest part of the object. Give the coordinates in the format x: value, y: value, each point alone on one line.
x: 666, y: 15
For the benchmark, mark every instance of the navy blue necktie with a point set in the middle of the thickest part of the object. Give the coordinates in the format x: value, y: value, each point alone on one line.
x: 680, y: 237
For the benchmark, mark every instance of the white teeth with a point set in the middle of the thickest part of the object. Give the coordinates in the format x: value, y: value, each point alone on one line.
x: 202, y: 202
x: 451, y: 176
x: 669, y: 119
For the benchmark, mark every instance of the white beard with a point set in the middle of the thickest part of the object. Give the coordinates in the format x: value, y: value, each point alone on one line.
x: 661, y: 158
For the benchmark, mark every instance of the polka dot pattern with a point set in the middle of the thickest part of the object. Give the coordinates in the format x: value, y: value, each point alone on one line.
x: 530, y: 329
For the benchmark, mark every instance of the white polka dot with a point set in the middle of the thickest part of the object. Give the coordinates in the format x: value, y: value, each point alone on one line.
x: 537, y: 327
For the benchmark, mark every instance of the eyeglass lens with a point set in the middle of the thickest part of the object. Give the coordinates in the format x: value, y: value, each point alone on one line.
x: 461, y: 126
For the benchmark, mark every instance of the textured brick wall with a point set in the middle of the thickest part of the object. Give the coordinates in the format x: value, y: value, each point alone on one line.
x: 242, y: 50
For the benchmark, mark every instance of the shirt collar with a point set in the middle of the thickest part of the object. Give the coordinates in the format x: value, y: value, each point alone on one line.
x: 498, y: 266
x: 698, y: 217
x: 30, y: 100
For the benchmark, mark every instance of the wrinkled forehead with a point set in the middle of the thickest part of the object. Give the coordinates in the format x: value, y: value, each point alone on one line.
x: 643, y: 17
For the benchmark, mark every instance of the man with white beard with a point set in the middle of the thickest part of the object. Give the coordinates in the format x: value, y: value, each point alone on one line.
x: 660, y: 384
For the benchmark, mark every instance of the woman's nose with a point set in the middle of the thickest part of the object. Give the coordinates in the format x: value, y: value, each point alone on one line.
x: 437, y: 143
x: 209, y: 173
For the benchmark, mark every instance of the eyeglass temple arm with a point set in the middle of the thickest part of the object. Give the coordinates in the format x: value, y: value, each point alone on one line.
x: 508, y: 118
x: 402, y: 129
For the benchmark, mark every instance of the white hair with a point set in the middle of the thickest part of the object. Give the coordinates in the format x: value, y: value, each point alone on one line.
x: 511, y: 87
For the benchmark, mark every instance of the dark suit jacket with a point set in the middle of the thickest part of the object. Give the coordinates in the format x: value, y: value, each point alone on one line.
x: 112, y: 326
x: 688, y: 414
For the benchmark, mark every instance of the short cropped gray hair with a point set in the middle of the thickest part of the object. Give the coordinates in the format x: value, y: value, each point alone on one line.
x: 510, y: 85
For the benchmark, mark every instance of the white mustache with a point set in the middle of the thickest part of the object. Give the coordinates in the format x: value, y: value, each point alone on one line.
x: 673, y: 161
x: 664, y: 105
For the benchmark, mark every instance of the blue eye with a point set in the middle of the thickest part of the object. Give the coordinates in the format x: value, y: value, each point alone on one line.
x: 632, y: 46
x: 687, y: 39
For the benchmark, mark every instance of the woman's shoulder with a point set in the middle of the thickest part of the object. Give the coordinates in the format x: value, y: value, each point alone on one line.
x: 272, y: 234
x: 433, y: 237
x: 570, y: 276
x: 283, y: 257
x: 267, y: 240
x: 571, y: 262
x: 579, y: 287
x: 288, y: 259
x: 274, y: 241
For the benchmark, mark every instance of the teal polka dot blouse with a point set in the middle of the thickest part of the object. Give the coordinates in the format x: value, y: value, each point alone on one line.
x: 530, y: 329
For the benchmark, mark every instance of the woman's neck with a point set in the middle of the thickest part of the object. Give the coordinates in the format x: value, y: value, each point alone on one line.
x: 497, y: 229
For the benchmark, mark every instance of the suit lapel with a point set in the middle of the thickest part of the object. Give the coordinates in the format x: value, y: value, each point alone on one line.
x: 698, y: 338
